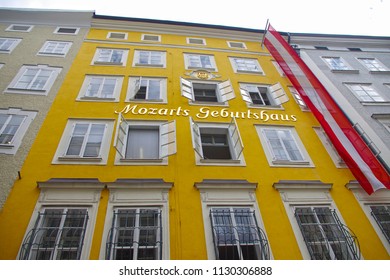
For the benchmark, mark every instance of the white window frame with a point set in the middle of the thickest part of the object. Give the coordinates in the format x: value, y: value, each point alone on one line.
x: 55, y: 71
x: 223, y: 91
x: 375, y: 66
x: 135, y: 85
x: 275, y: 95
x: 122, y: 62
x: 13, y: 45
x: 196, y: 41
x: 338, y: 64
x: 150, y: 38
x: 60, y: 156
x: 367, y: 89
x: 137, y: 63
x: 234, y: 140
x: 336, y: 158
x: 236, y: 45
x: 166, y: 141
x: 12, y: 26
x: 379, y: 197
x: 44, y: 52
x: 58, y: 30
x: 211, y: 67
x: 383, y: 119
x: 301, y: 194
x: 87, y: 82
x: 226, y: 193
x: 254, y: 61
x: 111, y: 35
x: 272, y: 160
x: 298, y: 99
x: 144, y: 193
x: 11, y: 148
x: 278, y: 68
x: 72, y: 194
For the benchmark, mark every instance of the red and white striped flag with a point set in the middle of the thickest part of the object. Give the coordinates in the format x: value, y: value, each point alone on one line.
x: 364, y: 165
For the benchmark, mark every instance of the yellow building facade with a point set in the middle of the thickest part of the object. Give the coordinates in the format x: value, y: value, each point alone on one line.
x: 183, y: 141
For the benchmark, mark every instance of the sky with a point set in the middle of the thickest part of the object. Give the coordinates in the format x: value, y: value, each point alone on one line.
x: 347, y: 17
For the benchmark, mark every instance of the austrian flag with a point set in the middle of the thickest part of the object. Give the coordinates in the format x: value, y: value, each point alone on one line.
x: 364, y: 165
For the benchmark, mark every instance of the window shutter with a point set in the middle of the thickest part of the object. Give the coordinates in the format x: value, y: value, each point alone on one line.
x: 137, y: 87
x: 120, y: 137
x: 278, y: 94
x: 226, y: 91
x: 245, y: 95
x: 186, y: 89
x: 167, y: 139
x: 196, y: 140
x: 236, y: 138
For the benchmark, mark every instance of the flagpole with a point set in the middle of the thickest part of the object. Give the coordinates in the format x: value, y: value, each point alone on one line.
x: 265, y: 32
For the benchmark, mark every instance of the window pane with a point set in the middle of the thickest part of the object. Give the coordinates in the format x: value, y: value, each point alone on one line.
x: 92, y: 148
x: 154, y: 89
x: 77, y: 139
x: 143, y: 143
x: 8, y: 131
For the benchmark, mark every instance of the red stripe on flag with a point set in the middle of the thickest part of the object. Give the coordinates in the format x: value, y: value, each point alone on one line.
x: 351, y: 147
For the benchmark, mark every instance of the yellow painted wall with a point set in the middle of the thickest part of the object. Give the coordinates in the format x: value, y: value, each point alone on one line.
x: 187, y: 239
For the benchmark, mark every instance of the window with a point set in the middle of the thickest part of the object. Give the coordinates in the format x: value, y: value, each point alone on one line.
x: 298, y: 98
x: 200, y: 61
x: 55, y: 48
x: 151, y: 38
x: 365, y: 93
x: 110, y: 57
x: 13, y: 126
x: 232, y: 231
x: 238, y: 45
x: 137, y: 220
x: 236, y: 234
x: 19, y: 28
x: 325, y: 237
x: 263, y: 95
x: 143, y: 142
x: 135, y: 234
x: 117, y: 35
x: 383, y: 119
x: 317, y: 225
x: 217, y: 143
x: 149, y: 58
x: 84, y: 141
x: 67, y: 30
x: 207, y: 92
x: 278, y: 68
x: 62, y: 226
x: 34, y: 80
x: 338, y: 161
x: 98, y: 88
x: 282, y: 146
x: 373, y: 65
x: 196, y: 41
x: 147, y: 89
x: 246, y: 65
x: 337, y: 64
x: 381, y: 214
x: 7, y: 45
x: 58, y: 235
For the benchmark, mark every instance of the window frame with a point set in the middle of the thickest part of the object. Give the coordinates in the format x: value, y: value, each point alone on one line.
x: 166, y: 140
x: 137, y: 63
x: 125, y: 35
x: 234, y: 140
x: 269, y: 153
x: 58, y: 28
x: 201, y: 40
x: 275, y: 95
x: 198, y: 56
x: 97, y: 55
x: 139, y: 193
x: 55, y: 71
x: 338, y: 69
x: 256, y: 64
x: 239, y: 45
x: 10, y: 27
x: 144, y: 38
x: 334, y: 155
x: 15, y: 43
x: 134, y: 86
x: 82, y: 96
x: 60, y: 156
x: 379, y: 67
x: 67, y: 47
x: 21, y: 131
x: 366, y: 92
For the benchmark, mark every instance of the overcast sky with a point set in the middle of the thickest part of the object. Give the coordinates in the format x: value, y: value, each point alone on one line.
x: 353, y: 17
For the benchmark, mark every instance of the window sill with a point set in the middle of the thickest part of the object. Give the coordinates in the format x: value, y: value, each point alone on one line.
x: 290, y: 163
x: 84, y: 159
x: 6, y: 146
x: 108, y: 63
x: 91, y: 98
x: 220, y: 161
x: 349, y: 71
x: 266, y: 107
x: 249, y: 72
x: 141, y: 160
x: 375, y: 103
x: 146, y: 100
x: 211, y: 104
x: 149, y: 65
x: 134, y: 162
x: 380, y: 72
x: 26, y: 91
x: 211, y: 69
